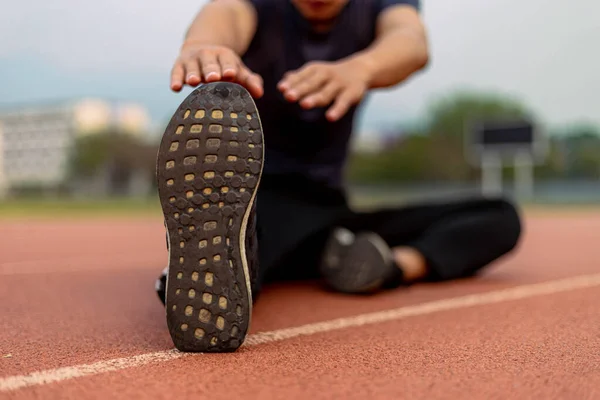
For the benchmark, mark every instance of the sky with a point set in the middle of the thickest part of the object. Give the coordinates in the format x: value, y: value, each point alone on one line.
x: 543, y: 52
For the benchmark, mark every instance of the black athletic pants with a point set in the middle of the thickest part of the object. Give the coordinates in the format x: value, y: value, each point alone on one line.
x: 457, y: 238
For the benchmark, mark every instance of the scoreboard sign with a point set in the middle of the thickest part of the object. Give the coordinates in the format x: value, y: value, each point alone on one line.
x: 490, y: 145
x: 504, y: 139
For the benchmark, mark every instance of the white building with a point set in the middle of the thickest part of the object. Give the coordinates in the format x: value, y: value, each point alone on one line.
x: 367, y: 141
x: 36, y: 141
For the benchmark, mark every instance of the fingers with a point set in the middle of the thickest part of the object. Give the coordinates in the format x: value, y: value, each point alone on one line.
x: 251, y: 81
x: 288, y: 81
x: 197, y: 68
x: 293, y: 78
x: 306, y: 86
x: 209, y: 64
x: 177, y: 77
x: 229, y: 63
x: 341, y: 105
x: 255, y: 85
x: 192, y: 73
x: 322, y: 97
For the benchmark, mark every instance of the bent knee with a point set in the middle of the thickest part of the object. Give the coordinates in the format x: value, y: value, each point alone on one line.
x: 509, y: 222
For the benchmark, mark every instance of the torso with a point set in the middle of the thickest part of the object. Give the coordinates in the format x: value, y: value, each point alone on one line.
x: 302, y: 141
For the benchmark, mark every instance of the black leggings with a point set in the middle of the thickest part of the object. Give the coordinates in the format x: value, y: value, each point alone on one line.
x: 457, y: 238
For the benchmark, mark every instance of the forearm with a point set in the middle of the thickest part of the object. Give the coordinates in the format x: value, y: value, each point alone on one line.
x: 394, y: 57
x: 228, y: 23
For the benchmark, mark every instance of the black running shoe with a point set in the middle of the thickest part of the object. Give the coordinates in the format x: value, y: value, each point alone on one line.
x: 161, y: 285
x: 209, y: 167
x: 361, y: 263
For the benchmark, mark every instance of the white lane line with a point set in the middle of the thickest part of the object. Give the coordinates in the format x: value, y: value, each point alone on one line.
x: 497, y: 296
x: 12, y: 383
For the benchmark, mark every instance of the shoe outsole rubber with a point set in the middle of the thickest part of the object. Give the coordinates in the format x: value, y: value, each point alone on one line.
x: 209, y: 167
x: 361, y: 267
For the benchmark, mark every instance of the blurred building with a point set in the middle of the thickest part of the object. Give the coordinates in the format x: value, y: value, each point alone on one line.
x: 36, y: 140
x: 367, y: 141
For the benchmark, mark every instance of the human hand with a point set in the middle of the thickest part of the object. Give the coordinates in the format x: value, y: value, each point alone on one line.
x: 320, y: 84
x: 200, y: 63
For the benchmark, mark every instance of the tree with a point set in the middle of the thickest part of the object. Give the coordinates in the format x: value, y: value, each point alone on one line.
x: 450, y: 118
x: 582, y: 148
x: 437, y: 152
x: 406, y: 160
x: 114, y: 155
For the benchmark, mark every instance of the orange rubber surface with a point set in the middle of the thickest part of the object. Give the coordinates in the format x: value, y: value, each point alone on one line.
x: 529, y: 327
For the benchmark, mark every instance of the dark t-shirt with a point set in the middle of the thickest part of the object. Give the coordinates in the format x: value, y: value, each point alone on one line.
x: 303, y: 141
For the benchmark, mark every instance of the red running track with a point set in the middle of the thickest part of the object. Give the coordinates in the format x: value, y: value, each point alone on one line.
x: 529, y: 327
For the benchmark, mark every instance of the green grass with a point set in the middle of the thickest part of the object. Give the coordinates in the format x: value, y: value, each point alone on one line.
x: 86, y: 208
x: 150, y: 207
x: 383, y: 200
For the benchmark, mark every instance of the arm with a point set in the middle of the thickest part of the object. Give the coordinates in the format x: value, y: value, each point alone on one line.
x: 218, y: 36
x: 227, y: 23
x: 400, y: 49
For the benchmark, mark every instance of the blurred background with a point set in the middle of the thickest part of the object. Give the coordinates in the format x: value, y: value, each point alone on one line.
x: 84, y: 99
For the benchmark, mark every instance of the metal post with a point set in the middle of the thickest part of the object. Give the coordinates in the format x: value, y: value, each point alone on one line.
x: 524, y: 185
x: 491, y: 174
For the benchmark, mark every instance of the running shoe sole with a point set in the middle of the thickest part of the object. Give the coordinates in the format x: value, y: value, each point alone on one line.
x: 209, y: 167
x: 356, y: 265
